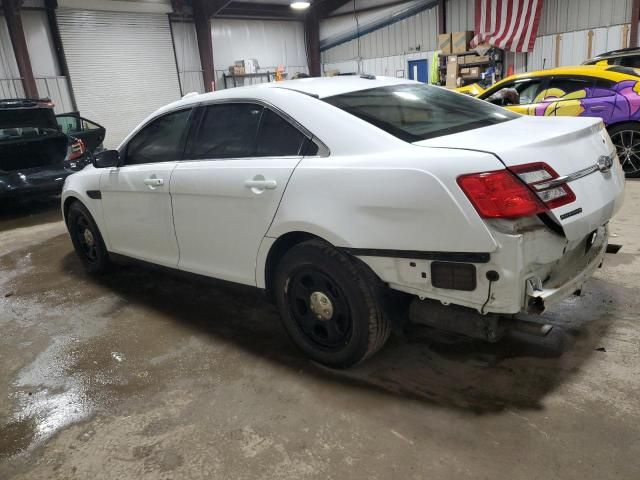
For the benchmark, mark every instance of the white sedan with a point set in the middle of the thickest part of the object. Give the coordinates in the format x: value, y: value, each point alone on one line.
x: 334, y: 194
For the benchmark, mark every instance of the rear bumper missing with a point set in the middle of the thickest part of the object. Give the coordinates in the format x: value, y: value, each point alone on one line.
x: 570, y: 277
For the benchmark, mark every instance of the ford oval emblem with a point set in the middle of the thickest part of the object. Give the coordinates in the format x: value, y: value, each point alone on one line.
x: 605, y: 162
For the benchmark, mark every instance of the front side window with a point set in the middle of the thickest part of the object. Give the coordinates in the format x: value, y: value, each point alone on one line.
x: 162, y: 140
x: 417, y: 112
x: 518, y: 92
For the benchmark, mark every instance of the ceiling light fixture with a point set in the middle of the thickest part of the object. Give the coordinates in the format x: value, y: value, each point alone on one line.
x: 300, y: 5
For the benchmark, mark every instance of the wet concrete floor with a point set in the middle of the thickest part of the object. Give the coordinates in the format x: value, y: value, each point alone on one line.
x: 140, y: 374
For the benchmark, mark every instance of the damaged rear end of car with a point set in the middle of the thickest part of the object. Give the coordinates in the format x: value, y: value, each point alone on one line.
x: 33, y: 150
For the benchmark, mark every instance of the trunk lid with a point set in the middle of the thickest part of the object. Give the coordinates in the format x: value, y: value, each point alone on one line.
x: 29, y: 137
x: 572, y: 146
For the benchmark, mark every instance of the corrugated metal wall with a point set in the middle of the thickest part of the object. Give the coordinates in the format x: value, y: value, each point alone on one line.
x: 411, y: 35
x: 272, y: 42
x: 573, y: 48
x: 560, y: 16
x: 389, y: 47
x: 393, y: 66
x: 460, y: 15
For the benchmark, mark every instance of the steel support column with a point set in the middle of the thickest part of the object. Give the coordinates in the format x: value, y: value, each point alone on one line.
x: 202, y: 20
x: 16, y: 33
x: 635, y: 16
x: 54, y: 29
x: 312, y: 36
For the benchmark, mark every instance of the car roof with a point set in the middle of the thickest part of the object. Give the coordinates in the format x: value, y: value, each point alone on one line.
x: 319, y: 87
x: 623, y: 52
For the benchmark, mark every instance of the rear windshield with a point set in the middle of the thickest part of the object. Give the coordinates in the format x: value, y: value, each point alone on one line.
x: 26, y: 122
x: 417, y: 112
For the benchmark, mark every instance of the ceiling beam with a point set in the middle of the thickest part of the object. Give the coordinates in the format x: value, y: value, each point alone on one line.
x: 325, y: 7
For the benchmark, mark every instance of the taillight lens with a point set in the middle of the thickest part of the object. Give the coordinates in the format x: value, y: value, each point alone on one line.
x: 522, y: 191
x: 500, y: 194
x: 538, y: 176
x: 76, y: 149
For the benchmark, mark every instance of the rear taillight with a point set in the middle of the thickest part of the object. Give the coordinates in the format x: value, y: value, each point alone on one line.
x: 544, y: 181
x: 500, y: 194
x: 76, y: 149
x: 522, y: 191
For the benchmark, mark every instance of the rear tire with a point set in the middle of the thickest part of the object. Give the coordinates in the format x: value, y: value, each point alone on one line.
x: 87, y: 239
x: 626, y: 138
x: 329, y: 304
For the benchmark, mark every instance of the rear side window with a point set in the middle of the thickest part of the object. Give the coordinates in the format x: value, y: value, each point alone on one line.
x: 162, y: 140
x: 277, y: 138
x: 417, y: 112
x: 227, y: 131
x: 241, y: 130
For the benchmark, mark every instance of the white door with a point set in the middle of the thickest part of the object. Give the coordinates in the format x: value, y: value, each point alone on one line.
x: 225, y: 198
x: 135, y: 195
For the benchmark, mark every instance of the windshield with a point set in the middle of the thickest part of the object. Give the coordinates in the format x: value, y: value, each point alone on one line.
x: 416, y: 112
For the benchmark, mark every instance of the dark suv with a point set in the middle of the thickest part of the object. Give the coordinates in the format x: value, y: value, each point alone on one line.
x: 625, y: 57
x: 38, y: 149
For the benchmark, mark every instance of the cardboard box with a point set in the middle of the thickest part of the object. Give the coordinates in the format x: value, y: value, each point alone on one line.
x: 250, y: 65
x: 236, y: 70
x: 452, y: 71
x: 460, y: 41
x: 470, y: 72
x: 444, y: 43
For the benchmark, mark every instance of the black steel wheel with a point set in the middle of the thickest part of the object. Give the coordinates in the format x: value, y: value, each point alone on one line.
x: 86, y: 239
x: 626, y: 138
x: 329, y: 304
x: 320, y: 308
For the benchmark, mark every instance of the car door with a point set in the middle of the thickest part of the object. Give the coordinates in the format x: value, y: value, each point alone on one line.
x: 226, y: 192
x: 135, y: 195
x: 568, y: 96
x: 91, y: 134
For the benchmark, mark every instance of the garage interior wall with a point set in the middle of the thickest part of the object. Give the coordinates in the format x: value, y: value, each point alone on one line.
x: 43, y: 58
x: 272, y: 43
x: 185, y: 44
x: 121, y: 64
x: 385, y: 50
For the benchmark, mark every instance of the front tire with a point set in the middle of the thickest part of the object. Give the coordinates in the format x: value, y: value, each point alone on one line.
x: 626, y: 138
x: 329, y: 305
x: 86, y: 239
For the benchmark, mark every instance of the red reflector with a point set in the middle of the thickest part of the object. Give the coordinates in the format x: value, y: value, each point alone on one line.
x: 500, y: 194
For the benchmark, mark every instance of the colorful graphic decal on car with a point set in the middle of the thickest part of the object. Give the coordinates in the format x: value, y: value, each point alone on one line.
x: 620, y: 103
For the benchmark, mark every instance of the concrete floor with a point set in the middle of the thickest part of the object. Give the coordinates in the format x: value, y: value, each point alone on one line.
x: 144, y: 375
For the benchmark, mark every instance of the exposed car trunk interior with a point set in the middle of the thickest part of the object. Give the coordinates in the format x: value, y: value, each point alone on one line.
x: 30, y: 151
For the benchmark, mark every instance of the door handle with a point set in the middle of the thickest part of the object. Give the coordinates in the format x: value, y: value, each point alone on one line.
x: 597, y: 108
x: 261, y: 184
x: 153, y: 183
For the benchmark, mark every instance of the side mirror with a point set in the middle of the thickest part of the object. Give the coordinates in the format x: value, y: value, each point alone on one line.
x: 106, y: 159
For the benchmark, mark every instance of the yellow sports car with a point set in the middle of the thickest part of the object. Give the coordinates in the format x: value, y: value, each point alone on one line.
x: 611, y: 93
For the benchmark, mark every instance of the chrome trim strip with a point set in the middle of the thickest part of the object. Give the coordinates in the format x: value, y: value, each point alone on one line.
x: 566, y: 178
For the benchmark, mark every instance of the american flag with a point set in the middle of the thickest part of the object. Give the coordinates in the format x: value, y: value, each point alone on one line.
x: 508, y: 24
